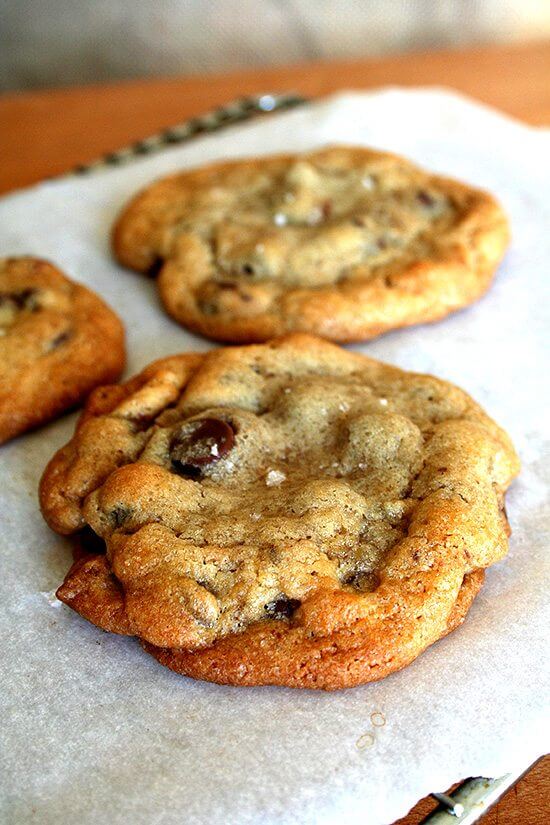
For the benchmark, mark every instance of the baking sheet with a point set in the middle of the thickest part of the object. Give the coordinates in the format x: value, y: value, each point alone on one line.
x: 94, y: 730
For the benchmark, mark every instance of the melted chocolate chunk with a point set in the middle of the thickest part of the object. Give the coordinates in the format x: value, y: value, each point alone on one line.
x: 425, y: 198
x: 282, y: 608
x: 363, y: 580
x: 59, y: 340
x: 187, y: 470
x: 155, y: 267
x: 208, y: 307
x: 140, y: 422
x: 200, y: 443
x: 120, y: 515
x: 211, y: 297
x: 25, y: 299
x: 229, y: 286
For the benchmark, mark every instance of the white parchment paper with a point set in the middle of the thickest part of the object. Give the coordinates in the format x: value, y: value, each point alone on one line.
x: 94, y: 730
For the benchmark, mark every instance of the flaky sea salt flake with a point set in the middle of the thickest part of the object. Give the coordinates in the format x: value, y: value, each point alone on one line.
x: 274, y: 477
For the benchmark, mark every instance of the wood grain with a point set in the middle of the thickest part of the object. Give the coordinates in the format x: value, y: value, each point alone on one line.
x: 47, y: 133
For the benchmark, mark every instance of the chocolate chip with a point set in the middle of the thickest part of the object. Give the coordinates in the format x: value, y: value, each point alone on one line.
x: 25, y: 299
x: 229, y: 286
x: 119, y: 515
x: 248, y: 269
x: 62, y: 338
x: 208, y: 306
x: 425, y: 198
x: 364, y: 580
x: 206, y: 585
x: 209, y: 295
x: 200, y: 443
x: 156, y: 266
x: 187, y: 470
x: 326, y: 209
x: 282, y: 608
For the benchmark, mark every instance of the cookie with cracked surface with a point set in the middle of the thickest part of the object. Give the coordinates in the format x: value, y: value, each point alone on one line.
x: 58, y: 340
x: 345, y: 243
x: 287, y: 513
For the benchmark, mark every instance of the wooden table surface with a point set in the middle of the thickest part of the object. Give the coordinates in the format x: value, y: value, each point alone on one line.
x: 47, y: 133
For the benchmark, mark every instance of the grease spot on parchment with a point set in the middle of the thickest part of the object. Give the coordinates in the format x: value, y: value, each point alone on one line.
x: 366, y: 740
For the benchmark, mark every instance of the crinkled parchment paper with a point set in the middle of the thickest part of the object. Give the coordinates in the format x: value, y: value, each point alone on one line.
x: 94, y: 730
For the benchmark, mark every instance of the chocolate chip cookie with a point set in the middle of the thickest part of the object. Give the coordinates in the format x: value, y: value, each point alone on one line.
x: 344, y: 242
x: 288, y: 513
x: 58, y: 340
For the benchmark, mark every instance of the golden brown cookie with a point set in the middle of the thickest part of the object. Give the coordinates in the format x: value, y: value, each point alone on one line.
x: 58, y: 340
x: 288, y: 513
x: 346, y: 243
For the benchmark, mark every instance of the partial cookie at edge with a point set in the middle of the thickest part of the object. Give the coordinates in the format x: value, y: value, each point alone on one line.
x: 59, y: 340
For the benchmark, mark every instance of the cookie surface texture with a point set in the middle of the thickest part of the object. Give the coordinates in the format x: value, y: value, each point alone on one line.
x: 345, y: 243
x: 287, y: 513
x: 58, y: 340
